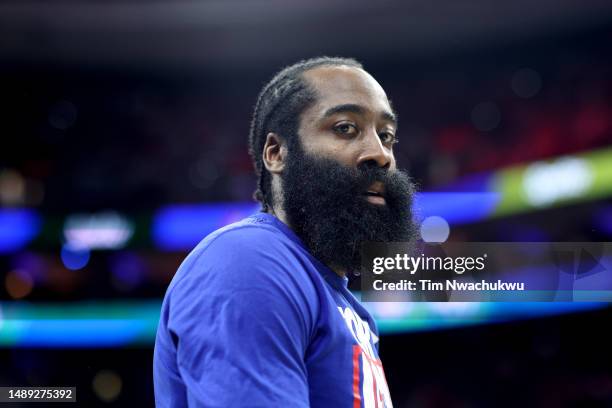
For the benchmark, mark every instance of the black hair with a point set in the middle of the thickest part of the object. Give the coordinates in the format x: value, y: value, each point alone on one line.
x: 278, y: 109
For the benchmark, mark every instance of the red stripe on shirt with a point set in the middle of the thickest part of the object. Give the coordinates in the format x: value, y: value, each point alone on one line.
x: 356, y: 393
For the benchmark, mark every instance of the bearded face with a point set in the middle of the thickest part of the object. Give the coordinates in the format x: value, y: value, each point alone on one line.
x: 328, y: 206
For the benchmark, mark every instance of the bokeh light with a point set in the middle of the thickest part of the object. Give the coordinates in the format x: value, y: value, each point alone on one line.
x: 434, y: 229
x: 19, y: 227
x: 107, y: 385
x: 74, y: 258
x: 203, y: 173
x: 127, y: 269
x: 62, y: 115
x: 106, y: 230
x: 18, y: 284
x: 486, y: 116
x: 12, y: 187
x: 526, y: 83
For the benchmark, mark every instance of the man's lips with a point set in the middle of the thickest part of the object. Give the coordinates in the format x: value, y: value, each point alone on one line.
x: 375, y: 193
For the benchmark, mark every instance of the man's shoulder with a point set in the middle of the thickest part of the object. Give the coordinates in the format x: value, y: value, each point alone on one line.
x: 250, y: 233
x: 236, y: 251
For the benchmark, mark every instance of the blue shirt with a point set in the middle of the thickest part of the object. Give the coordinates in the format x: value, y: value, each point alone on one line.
x: 252, y: 319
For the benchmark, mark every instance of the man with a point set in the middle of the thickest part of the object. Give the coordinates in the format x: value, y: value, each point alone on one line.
x: 259, y: 314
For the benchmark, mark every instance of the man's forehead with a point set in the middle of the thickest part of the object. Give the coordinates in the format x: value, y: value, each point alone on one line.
x: 343, y: 84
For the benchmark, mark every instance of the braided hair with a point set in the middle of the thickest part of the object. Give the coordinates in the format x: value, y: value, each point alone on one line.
x: 278, y: 108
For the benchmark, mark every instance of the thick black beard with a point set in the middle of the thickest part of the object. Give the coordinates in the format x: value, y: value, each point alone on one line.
x: 326, y: 207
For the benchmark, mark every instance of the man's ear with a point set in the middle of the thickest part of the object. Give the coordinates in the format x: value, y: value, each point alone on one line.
x: 274, y: 153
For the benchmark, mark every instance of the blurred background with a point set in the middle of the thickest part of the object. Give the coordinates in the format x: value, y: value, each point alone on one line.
x: 124, y: 127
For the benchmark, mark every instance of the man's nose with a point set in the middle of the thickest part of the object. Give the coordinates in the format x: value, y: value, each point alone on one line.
x: 374, y: 150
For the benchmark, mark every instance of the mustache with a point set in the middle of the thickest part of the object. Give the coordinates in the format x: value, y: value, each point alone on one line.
x: 367, y: 174
x: 370, y: 173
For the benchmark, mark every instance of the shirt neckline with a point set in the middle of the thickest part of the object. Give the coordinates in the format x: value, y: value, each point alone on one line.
x: 330, y: 276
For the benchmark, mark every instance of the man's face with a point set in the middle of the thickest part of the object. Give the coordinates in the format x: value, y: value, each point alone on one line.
x: 351, y: 121
x: 340, y: 186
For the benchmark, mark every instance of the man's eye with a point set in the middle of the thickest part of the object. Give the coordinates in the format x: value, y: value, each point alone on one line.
x: 388, y: 137
x: 346, y: 128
